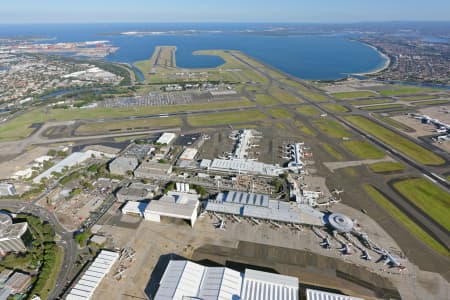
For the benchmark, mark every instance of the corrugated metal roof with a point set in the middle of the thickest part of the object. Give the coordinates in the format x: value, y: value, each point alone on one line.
x: 262, y: 285
x: 191, y: 280
x: 181, y: 278
x: 87, y: 284
x: 220, y: 283
x: 321, y: 295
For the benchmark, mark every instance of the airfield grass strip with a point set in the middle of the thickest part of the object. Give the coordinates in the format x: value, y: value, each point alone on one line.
x: 431, y: 199
x: 386, y: 167
x: 363, y: 149
x: 403, y: 219
x: 226, y: 118
x: 396, y: 141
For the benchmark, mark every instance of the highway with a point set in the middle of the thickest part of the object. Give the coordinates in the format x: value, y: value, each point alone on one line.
x: 66, y: 240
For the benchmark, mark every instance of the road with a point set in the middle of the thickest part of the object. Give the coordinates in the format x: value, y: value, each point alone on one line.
x: 66, y: 240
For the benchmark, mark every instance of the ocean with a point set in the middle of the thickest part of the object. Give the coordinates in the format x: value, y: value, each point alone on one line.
x: 313, y: 57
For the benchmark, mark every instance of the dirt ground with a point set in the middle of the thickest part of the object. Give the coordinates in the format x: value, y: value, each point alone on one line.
x: 9, y: 167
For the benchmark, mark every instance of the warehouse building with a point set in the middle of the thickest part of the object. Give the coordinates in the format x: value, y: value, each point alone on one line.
x: 152, y: 169
x: 177, y: 205
x: 259, y: 206
x: 188, y: 154
x: 18, y: 283
x: 187, y: 280
x: 166, y: 138
x: 136, y: 191
x: 123, y: 165
x: 134, y: 208
x: 88, y: 282
x: 321, y: 295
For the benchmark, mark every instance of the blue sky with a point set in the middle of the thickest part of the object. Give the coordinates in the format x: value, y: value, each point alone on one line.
x: 48, y: 11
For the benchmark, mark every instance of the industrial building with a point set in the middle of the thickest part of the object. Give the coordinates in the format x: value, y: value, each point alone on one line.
x: 70, y: 161
x: 187, y: 280
x: 241, y: 166
x: 188, y: 154
x: 259, y: 206
x: 321, y: 295
x: 13, y: 237
x: 152, y: 169
x: 123, y: 165
x: 134, y: 208
x: 136, y: 191
x: 18, y: 283
x: 166, y: 138
x: 7, y: 189
x: 88, y: 282
x: 178, y: 205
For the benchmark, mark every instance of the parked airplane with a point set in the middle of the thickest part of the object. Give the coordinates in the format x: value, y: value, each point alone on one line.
x: 366, y: 255
x: 326, y: 243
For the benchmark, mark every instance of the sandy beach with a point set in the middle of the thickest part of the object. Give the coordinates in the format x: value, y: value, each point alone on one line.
x: 378, y: 70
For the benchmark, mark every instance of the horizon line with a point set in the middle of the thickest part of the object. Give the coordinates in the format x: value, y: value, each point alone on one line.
x: 225, y: 22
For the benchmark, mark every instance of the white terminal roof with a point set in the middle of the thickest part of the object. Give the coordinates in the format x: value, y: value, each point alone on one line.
x: 166, y: 138
x: 86, y: 285
x: 174, y: 204
x: 263, y: 285
x: 321, y: 295
x: 261, y: 207
x: 185, y: 279
x: 245, y: 167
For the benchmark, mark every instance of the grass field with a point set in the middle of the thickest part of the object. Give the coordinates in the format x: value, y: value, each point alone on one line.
x: 382, y: 107
x: 393, y: 123
x: 308, y: 110
x: 400, y: 143
x: 332, y: 151
x: 403, y: 219
x: 305, y: 92
x: 332, y: 128
x: 264, y: 99
x: 434, y: 201
x: 363, y: 149
x: 370, y: 101
x: 304, y: 129
x: 283, y: 96
x: 336, y: 107
x: 417, y: 98
x: 226, y: 118
x: 18, y: 127
x: 354, y: 95
x: 431, y: 102
x: 280, y: 113
x: 129, y: 125
x: 386, y: 167
x: 402, y: 90
x: 51, y: 281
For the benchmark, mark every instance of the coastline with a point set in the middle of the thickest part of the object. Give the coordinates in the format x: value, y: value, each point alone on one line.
x: 380, y: 69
